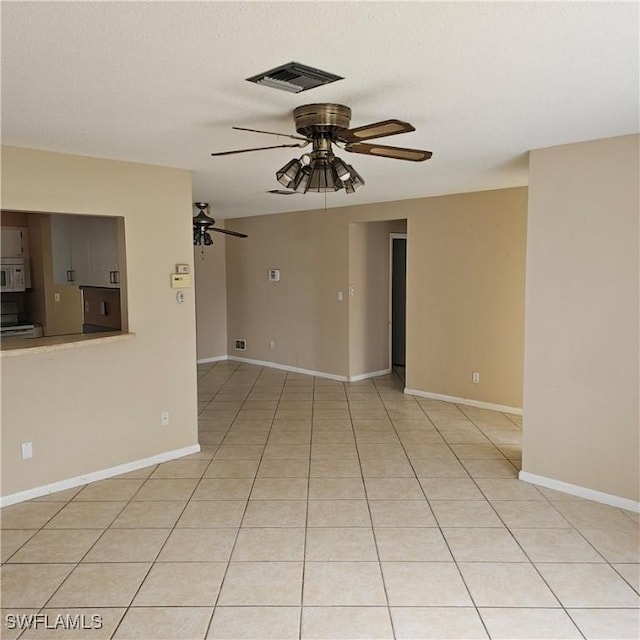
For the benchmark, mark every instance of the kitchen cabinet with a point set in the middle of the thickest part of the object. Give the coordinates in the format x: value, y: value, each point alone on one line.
x: 14, y: 242
x: 64, y: 312
x: 104, y: 252
x: 61, y: 250
x: 102, y: 311
x: 85, y: 250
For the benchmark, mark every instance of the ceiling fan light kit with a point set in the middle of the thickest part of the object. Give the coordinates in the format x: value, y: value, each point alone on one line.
x: 341, y: 169
x: 301, y: 182
x: 323, y: 178
x: 320, y: 175
x: 354, y: 183
x: 324, y: 124
x: 287, y: 175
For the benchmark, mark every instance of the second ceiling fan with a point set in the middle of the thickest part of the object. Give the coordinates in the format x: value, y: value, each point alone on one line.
x: 323, y: 125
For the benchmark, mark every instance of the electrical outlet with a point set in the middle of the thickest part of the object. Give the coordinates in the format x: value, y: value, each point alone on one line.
x: 56, y: 297
x: 272, y: 344
x: 164, y: 419
x: 241, y: 345
x: 27, y: 450
x: 475, y: 377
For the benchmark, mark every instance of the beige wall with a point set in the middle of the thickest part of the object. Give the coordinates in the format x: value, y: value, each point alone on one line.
x: 581, y: 366
x: 465, y: 290
x: 211, y: 296
x: 300, y: 313
x: 465, y: 296
x: 369, y: 252
x: 98, y: 406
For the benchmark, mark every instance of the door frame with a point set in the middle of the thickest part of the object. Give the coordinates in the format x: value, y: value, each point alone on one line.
x: 392, y: 237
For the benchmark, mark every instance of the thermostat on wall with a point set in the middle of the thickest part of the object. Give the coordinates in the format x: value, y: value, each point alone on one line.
x: 274, y: 275
x: 180, y: 281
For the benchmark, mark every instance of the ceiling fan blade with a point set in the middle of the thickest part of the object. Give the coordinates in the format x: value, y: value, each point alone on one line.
x: 228, y: 232
x: 277, y: 146
x: 282, y: 192
x: 398, y: 153
x: 271, y: 133
x: 375, y: 130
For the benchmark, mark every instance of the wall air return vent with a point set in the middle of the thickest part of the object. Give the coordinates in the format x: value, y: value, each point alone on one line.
x: 294, y: 77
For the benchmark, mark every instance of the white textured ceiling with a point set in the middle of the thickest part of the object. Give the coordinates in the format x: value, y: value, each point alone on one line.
x: 163, y: 82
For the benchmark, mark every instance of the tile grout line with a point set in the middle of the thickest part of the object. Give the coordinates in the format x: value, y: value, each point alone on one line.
x: 235, y: 542
x: 104, y: 530
x: 306, y: 516
x: 172, y: 529
x: 533, y: 565
x: 453, y: 558
x: 385, y: 394
x: 572, y: 527
x: 79, y: 562
x: 373, y: 534
x: 497, y: 515
x: 502, y: 520
x: 189, y: 499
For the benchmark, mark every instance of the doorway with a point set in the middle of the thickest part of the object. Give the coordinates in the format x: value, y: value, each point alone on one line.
x: 398, y: 302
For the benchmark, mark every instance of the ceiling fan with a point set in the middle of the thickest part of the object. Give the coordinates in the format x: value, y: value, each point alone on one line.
x: 202, y: 224
x: 323, y: 125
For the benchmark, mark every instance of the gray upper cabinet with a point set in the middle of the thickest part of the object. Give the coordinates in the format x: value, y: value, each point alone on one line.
x: 85, y: 250
x: 103, y: 234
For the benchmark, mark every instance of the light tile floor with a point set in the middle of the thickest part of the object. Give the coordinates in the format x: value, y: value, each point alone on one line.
x: 318, y: 509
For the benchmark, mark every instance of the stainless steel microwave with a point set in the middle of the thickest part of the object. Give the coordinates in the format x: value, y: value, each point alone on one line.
x: 13, y: 275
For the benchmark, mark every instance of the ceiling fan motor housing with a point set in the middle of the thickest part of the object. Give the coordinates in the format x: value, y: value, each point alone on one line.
x: 321, y: 119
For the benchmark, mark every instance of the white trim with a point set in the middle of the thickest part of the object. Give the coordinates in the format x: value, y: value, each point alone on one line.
x: 214, y: 359
x: 466, y: 401
x: 70, y: 483
x: 285, y: 367
x: 310, y: 372
x: 582, y: 492
x: 371, y: 374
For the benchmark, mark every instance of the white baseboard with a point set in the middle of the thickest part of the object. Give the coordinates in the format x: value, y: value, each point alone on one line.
x: 286, y: 367
x: 70, y: 483
x: 465, y: 401
x: 581, y: 492
x: 371, y: 374
x: 309, y: 372
x: 214, y: 359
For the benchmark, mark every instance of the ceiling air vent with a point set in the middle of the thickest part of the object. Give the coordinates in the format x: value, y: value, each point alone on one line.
x: 294, y: 77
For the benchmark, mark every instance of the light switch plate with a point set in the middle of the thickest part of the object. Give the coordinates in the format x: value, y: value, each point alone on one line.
x: 27, y: 450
